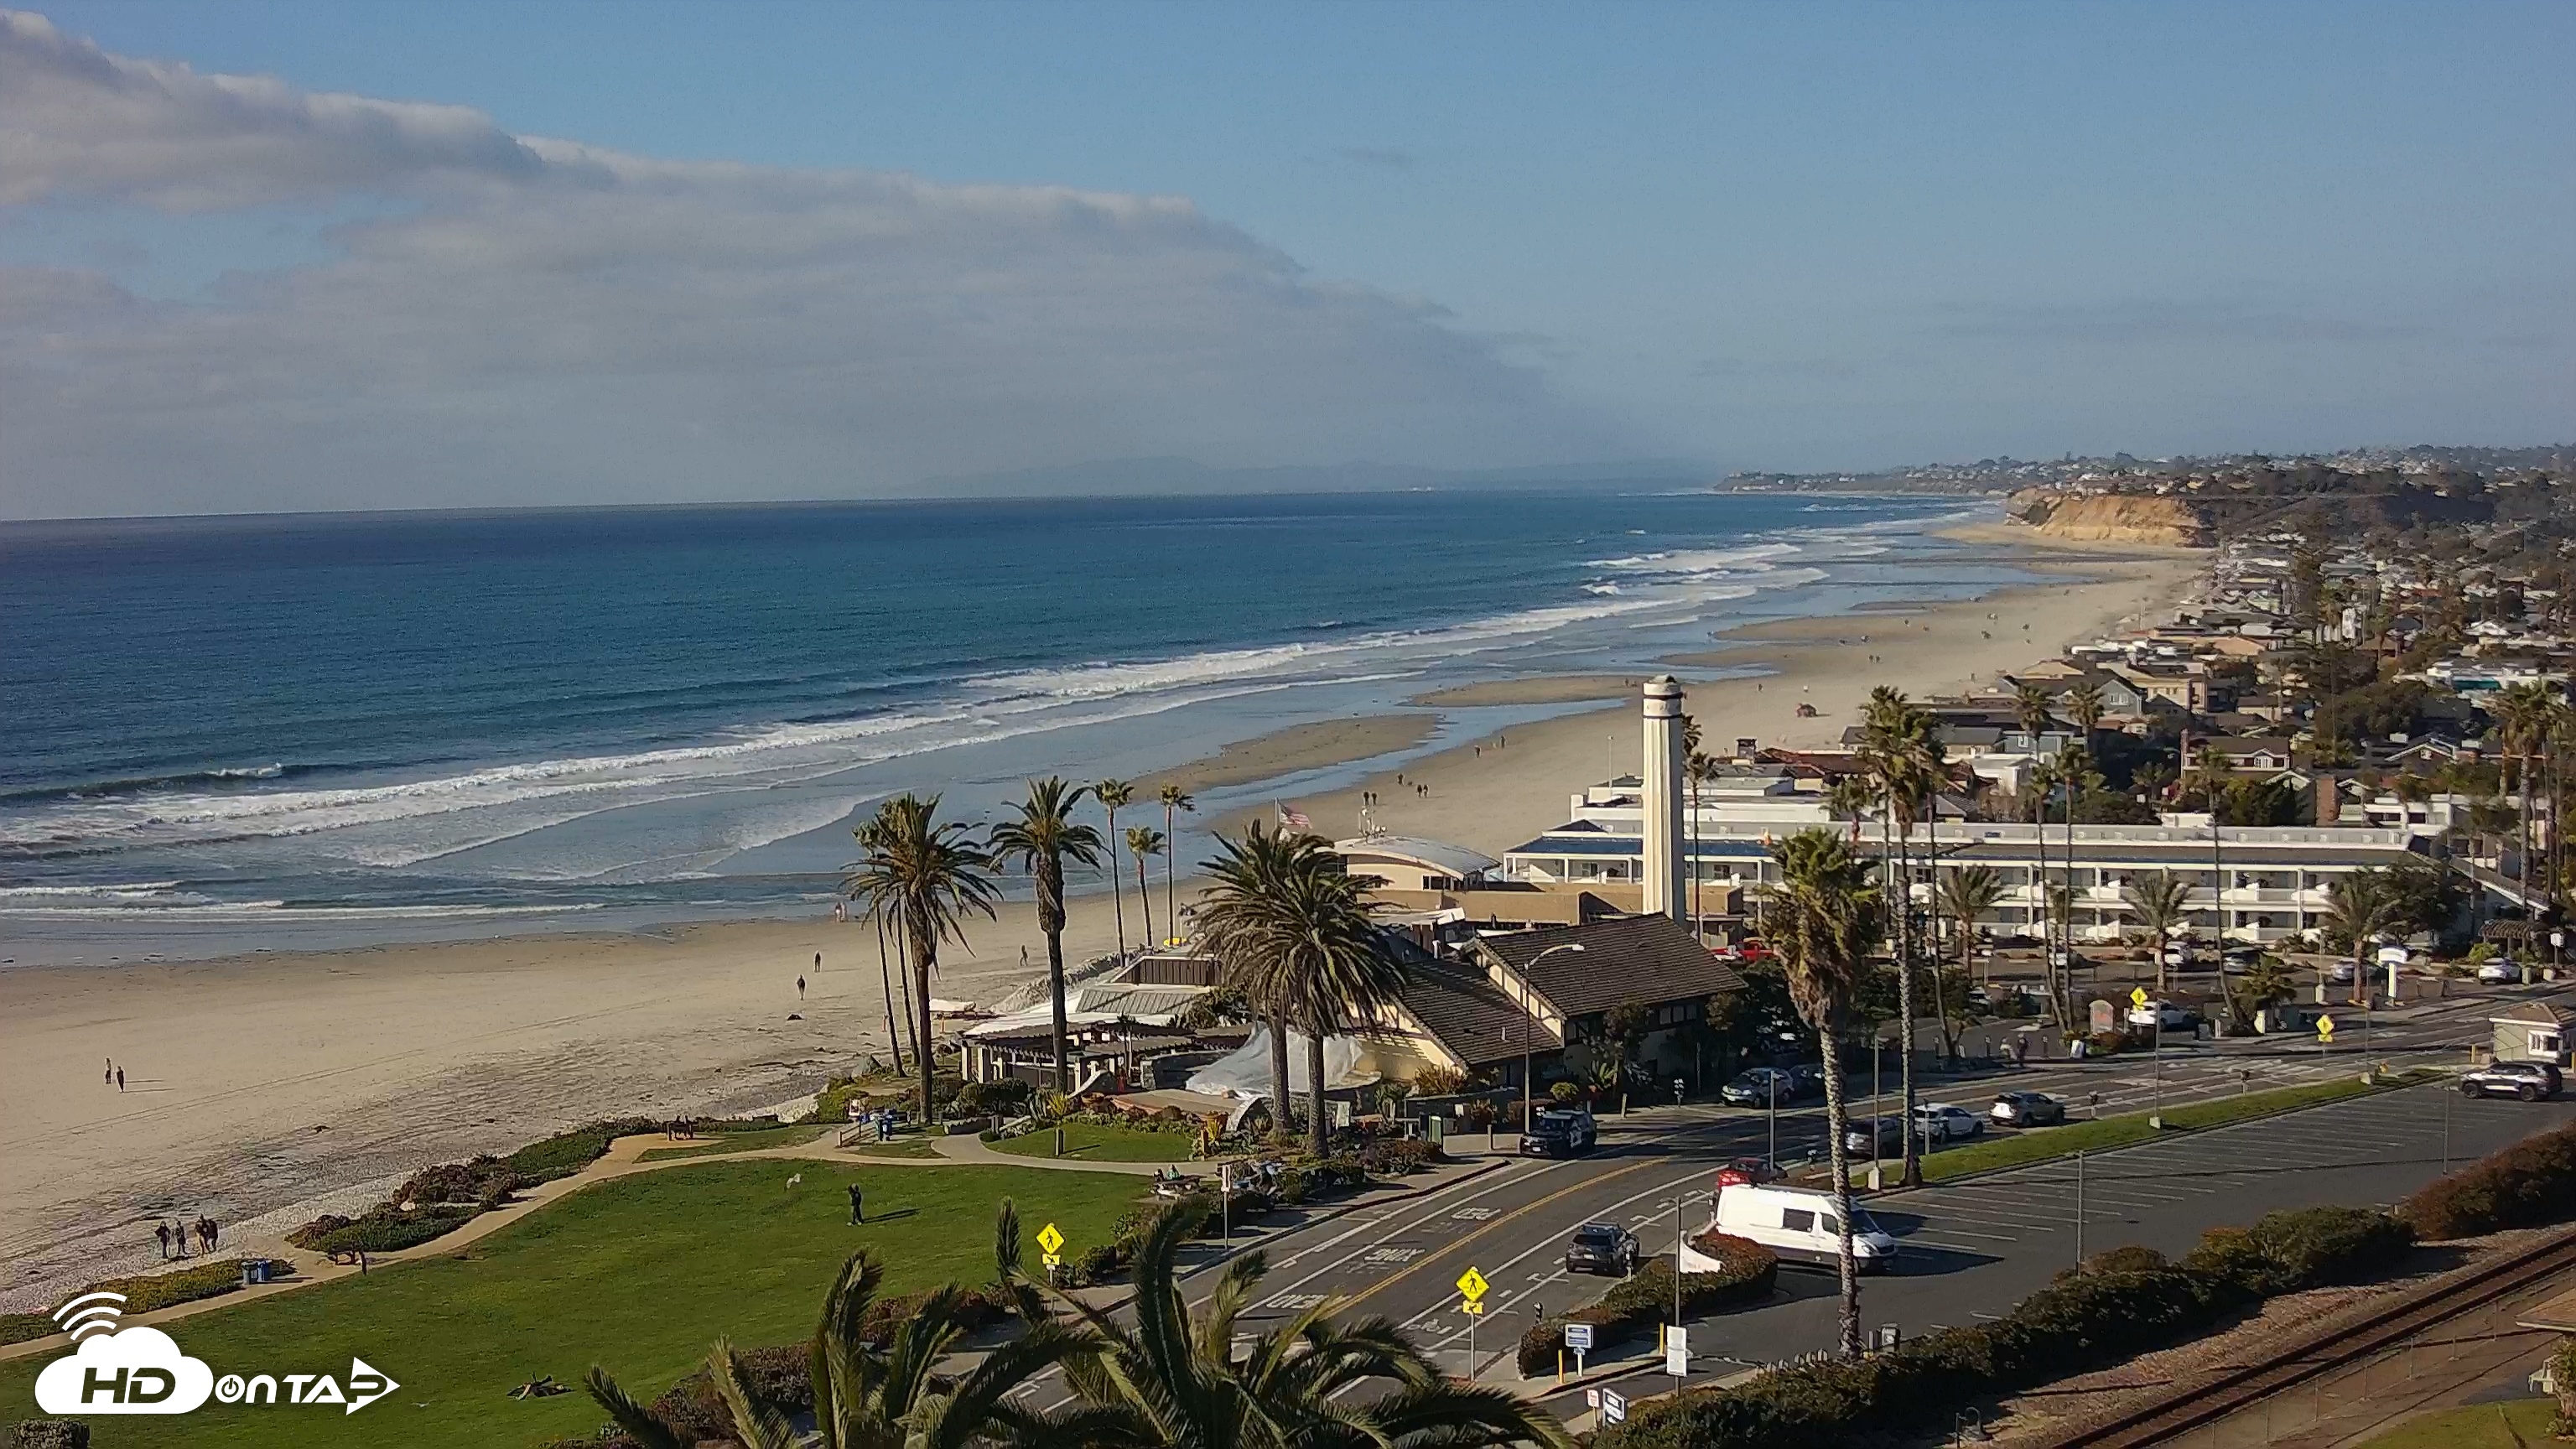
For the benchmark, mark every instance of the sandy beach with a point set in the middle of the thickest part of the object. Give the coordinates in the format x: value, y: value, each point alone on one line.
x: 262, y: 1089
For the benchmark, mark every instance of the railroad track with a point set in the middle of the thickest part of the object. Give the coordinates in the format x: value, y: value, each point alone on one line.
x: 2198, y: 1402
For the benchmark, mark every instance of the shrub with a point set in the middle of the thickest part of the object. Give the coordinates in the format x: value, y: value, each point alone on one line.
x: 385, y: 1229
x: 1007, y: 1095
x: 566, y: 1153
x: 146, y: 1292
x: 2527, y: 1184
x: 1396, y: 1156
x: 2317, y: 1246
x: 1642, y: 1301
x: 486, y: 1182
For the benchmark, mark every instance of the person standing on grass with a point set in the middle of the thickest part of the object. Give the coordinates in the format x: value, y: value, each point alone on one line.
x: 858, y: 1206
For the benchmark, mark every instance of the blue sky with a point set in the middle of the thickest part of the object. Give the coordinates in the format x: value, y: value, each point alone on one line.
x: 1774, y: 236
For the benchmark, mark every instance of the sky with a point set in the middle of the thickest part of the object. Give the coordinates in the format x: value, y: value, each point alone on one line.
x: 258, y: 256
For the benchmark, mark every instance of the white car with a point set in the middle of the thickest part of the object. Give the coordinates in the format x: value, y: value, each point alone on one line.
x: 2501, y: 971
x: 1942, y: 1122
x: 1799, y: 1223
x: 2162, y: 1015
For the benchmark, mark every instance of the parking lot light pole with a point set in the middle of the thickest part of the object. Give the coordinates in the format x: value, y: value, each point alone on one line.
x: 1771, y: 1082
x: 1529, y: 1036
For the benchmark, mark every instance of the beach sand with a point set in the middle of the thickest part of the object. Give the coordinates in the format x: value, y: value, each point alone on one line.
x: 266, y: 1088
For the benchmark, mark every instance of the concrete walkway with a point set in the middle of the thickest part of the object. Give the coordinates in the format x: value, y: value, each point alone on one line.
x: 974, y: 1149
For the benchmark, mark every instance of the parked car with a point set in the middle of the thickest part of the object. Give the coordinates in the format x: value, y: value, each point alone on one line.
x: 1890, y: 1138
x: 2164, y: 1016
x: 1560, y: 1132
x: 1741, y: 1171
x: 2530, y: 1081
x: 2501, y: 971
x: 1602, y: 1248
x: 1799, y: 1223
x: 1943, y: 1122
x: 2027, y: 1109
x: 1760, y: 1086
x: 1810, y: 1078
x: 2340, y: 973
x: 2177, y: 953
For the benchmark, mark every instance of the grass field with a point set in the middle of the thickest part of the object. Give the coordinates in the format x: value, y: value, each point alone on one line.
x: 1102, y: 1144
x: 2510, y: 1425
x: 2043, y: 1143
x: 733, y: 1142
x: 638, y: 1274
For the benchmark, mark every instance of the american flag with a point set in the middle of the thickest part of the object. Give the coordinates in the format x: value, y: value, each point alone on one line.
x: 1292, y: 816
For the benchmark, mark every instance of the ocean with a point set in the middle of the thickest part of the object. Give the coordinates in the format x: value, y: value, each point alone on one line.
x: 226, y: 734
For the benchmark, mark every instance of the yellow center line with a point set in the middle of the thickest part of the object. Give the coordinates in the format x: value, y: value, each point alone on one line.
x: 1427, y: 1259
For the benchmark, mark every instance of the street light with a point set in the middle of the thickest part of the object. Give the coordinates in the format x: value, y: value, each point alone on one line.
x: 1529, y: 1033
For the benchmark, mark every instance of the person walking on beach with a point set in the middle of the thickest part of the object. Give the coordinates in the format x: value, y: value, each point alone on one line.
x: 162, y: 1231
x: 120, y: 1079
x: 858, y: 1206
x: 818, y: 963
x: 800, y: 988
x: 179, y: 1240
x: 110, y: 1079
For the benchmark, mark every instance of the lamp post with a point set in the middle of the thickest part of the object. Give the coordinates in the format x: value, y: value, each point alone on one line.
x: 1529, y: 1036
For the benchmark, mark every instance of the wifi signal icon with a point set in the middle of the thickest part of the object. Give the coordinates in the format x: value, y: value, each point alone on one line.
x: 90, y: 1313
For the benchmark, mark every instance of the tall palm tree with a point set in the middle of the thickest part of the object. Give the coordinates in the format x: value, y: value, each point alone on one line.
x: 911, y: 1394
x: 1300, y: 939
x: 1144, y: 842
x: 1114, y: 796
x: 2084, y: 706
x: 1179, y: 1381
x: 927, y: 875
x: 1967, y: 893
x: 1824, y: 916
x: 1041, y: 840
x: 1901, y: 749
x: 2359, y: 907
x: 2157, y: 902
x: 2523, y: 714
x: 1851, y: 798
x: 2043, y: 783
x: 2031, y: 710
x: 1174, y: 798
x: 1700, y: 769
x: 1259, y: 865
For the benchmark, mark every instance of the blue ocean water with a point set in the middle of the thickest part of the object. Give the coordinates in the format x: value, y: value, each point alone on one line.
x: 218, y: 733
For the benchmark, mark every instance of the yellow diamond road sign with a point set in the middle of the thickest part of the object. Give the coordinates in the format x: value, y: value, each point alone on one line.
x: 2138, y: 996
x: 1050, y: 1239
x: 2325, y: 1028
x: 1472, y: 1283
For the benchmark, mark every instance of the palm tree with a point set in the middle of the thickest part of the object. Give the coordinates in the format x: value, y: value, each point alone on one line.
x: 2157, y: 902
x: 910, y: 1394
x: 1851, y: 798
x: 2084, y: 706
x: 1255, y: 866
x: 2258, y: 986
x: 2031, y: 710
x: 2043, y: 783
x: 926, y: 875
x: 1173, y: 798
x: 2359, y: 907
x: 1294, y: 928
x: 1041, y: 840
x: 1901, y: 749
x: 1700, y: 769
x: 1179, y: 1381
x: 1824, y: 916
x: 2523, y: 714
x: 1966, y: 895
x: 1144, y: 842
x: 1114, y: 796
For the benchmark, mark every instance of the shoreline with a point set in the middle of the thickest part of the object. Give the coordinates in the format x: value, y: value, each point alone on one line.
x: 265, y: 1085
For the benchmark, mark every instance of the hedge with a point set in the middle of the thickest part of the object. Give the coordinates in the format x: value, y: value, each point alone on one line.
x: 385, y: 1229
x: 2524, y: 1185
x: 146, y: 1292
x: 2114, y: 1306
x: 1646, y: 1298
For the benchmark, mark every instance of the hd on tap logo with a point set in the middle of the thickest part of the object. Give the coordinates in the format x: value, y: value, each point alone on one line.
x: 141, y: 1370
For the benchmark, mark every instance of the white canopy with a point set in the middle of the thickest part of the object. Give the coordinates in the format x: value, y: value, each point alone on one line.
x: 1245, y: 1072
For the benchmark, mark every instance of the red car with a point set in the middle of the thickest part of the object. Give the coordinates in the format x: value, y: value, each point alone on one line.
x: 1749, y: 1172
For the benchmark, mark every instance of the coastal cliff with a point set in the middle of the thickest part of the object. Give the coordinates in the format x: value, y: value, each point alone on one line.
x: 2113, y: 518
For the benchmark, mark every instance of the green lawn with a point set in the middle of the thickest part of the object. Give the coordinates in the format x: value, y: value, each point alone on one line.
x: 2041, y: 1143
x: 639, y: 1274
x: 731, y: 1142
x: 2509, y: 1425
x: 1102, y: 1144
x: 899, y: 1147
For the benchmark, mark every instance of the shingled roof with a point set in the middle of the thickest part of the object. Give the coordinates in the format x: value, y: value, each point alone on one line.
x: 1468, y: 1014
x: 1624, y: 958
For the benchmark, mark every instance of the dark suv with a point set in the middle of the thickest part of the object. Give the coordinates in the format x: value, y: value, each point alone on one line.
x: 1602, y: 1248
x: 1560, y: 1132
x: 2530, y: 1081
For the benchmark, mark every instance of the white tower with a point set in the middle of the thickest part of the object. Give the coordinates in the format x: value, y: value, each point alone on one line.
x: 1660, y: 868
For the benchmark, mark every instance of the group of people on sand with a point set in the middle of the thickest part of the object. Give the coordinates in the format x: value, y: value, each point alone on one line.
x: 174, y: 1237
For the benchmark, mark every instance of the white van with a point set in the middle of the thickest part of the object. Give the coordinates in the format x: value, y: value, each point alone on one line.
x: 1798, y: 1222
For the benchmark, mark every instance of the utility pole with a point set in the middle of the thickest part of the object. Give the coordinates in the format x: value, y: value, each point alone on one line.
x: 2079, y: 1207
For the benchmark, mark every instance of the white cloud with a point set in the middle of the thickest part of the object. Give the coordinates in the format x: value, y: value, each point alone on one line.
x: 544, y: 321
x: 135, y: 1371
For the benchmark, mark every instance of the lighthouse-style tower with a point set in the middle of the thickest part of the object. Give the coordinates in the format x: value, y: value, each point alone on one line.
x: 1660, y: 868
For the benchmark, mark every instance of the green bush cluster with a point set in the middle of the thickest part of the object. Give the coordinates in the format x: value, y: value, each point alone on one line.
x: 385, y: 1229
x: 1646, y: 1299
x: 2117, y: 1305
x: 976, y: 1099
x: 146, y: 1292
x: 1397, y: 1156
x: 486, y: 1182
x: 2529, y: 1183
x: 566, y: 1153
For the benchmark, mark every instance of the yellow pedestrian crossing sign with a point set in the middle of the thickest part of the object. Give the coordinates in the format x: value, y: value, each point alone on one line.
x: 2325, y: 1028
x: 1051, y: 1240
x: 1472, y: 1284
x: 1472, y: 1306
x: 2137, y: 996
